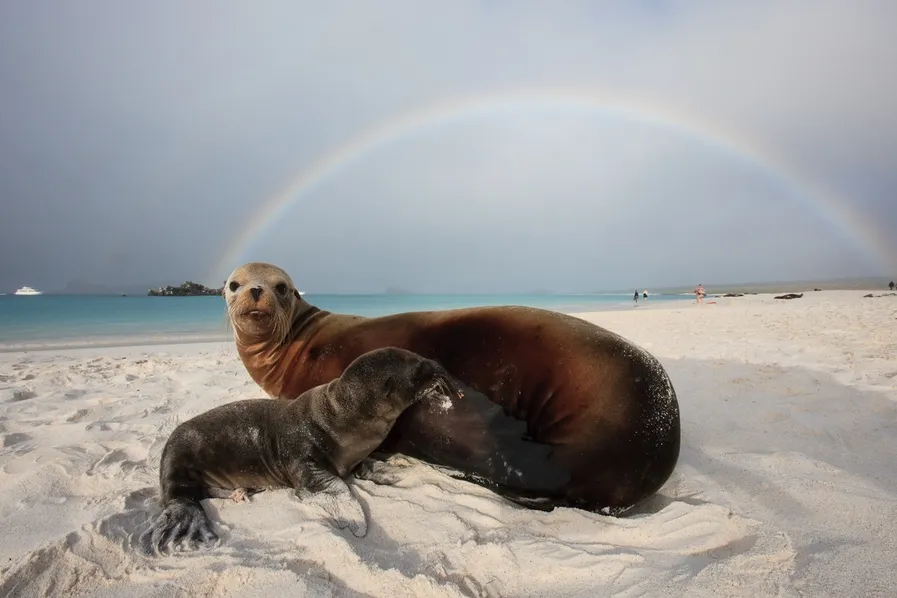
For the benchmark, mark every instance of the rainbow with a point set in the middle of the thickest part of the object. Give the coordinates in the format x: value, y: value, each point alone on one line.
x: 828, y: 205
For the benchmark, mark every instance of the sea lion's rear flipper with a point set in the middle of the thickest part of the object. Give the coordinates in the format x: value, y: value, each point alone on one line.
x: 386, y: 473
x: 183, y: 523
x: 538, y: 504
x: 333, y: 495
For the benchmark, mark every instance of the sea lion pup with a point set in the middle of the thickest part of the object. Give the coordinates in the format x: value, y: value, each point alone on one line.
x: 602, y: 410
x: 309, y: 444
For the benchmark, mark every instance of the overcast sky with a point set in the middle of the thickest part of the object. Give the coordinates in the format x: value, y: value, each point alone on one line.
x: 137, y: 140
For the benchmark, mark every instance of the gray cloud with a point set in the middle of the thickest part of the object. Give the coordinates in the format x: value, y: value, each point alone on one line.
x: 136, y: 142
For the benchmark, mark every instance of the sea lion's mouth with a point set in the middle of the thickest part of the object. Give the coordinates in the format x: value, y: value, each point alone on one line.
x: 442, y: 388
x: 255, y: 314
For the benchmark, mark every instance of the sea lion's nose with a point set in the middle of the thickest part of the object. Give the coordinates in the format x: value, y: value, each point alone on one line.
x: 256, y: 292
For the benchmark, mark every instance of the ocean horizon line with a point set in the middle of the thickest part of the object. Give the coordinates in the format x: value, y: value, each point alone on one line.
x: 844, y: 283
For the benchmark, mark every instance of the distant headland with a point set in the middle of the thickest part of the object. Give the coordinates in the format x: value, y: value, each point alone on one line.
x: 188, y: 289
x: 397, y: 291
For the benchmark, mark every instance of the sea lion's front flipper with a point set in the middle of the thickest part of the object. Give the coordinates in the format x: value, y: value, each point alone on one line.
x: 382, y: 469
x: 333, y: 495
x: 234, y: 494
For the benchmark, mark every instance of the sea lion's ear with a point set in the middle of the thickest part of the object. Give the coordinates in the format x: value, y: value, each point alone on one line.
x: 297, y: 295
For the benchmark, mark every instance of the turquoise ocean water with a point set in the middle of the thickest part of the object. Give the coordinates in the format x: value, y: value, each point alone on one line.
x: 58, y: 321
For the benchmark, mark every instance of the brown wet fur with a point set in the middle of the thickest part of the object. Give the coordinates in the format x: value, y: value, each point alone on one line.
x: 605, y: 407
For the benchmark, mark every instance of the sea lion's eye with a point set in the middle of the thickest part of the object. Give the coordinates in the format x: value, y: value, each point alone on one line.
x: 281, y: 288
x: 234, y: 285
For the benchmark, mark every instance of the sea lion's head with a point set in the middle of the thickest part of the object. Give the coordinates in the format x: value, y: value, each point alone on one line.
x: 261, y: 303
x: 400, y: 373
x: 432, y: 381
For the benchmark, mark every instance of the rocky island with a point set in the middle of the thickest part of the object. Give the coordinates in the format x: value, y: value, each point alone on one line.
x: 188, y: 289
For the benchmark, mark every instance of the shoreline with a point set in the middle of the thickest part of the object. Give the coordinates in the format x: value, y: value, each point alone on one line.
x: 114, y: 342
x: 125, y: 343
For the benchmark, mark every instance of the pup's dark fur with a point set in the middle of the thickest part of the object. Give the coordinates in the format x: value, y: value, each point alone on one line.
x: 309, y: 444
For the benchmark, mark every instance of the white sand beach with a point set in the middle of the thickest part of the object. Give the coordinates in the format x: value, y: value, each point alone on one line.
x: 786, y: 484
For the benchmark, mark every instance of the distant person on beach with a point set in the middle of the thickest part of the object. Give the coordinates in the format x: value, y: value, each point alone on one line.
x: 645, y: 294
x: 891, y: 286
x: 700, y: 292
x: 635, y: 297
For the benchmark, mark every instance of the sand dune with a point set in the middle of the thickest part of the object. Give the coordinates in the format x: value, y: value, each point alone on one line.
x: 787, y: 483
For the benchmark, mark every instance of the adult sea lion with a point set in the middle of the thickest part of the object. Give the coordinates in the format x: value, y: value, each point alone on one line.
x: 585, y: 417
x: 309, y: 444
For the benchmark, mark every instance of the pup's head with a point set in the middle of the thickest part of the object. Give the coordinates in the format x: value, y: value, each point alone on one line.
x: 404, y: 375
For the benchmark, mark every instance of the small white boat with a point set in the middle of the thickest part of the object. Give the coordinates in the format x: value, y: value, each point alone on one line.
x: 28, y: 291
